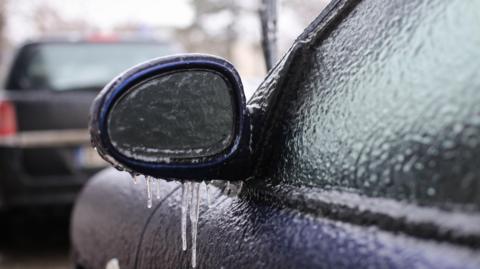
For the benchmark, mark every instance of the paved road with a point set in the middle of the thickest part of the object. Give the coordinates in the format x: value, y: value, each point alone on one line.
x: 20, y: 259
x: 37, y: 240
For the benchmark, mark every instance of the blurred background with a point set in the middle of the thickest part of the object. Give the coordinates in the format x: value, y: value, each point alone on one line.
x: 45, y: 156
x: 230, y: 29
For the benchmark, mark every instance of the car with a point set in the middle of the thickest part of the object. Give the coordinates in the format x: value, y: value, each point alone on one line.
x: 359, y: 150
x: 45, y: 157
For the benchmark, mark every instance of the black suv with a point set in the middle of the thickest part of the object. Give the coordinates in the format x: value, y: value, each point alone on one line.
x: 45, y: 155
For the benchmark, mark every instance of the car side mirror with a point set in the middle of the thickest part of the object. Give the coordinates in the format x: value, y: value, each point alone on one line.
x: 178, y: 117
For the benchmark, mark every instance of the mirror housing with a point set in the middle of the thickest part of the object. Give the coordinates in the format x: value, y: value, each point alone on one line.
x: 180, y: 117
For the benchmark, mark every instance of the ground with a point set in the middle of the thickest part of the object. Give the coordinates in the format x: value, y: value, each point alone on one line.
x: 35, y: 239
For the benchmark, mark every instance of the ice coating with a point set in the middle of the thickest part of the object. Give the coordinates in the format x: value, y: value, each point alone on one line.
x: 389, y: 112
x: 188, y: 129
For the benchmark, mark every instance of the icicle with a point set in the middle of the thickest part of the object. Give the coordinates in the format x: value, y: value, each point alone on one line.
x: 158, y: 188
x: 194, y: 210
x: 185, y: 198
x: 226, y: 191
x: 149, y: 192
x: 207, y: 194
x: 240, y: 186
x: 153, y: 184
x: 189, y: 194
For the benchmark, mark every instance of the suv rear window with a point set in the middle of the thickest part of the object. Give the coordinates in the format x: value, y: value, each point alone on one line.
x: 73, y: 66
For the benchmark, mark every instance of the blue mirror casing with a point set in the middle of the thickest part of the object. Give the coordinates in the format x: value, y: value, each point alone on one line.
x: 232, y: 164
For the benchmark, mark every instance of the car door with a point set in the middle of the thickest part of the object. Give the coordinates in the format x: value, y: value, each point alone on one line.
x: 366, y: 149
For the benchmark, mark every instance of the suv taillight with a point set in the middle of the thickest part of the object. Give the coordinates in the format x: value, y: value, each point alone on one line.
x: 8, y: 119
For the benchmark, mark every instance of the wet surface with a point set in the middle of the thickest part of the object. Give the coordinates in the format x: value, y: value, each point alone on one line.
x: 35, y: 240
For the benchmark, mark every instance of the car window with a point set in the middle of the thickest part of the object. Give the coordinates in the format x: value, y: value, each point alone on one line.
x: 69, y: 66
x: 386, y: 104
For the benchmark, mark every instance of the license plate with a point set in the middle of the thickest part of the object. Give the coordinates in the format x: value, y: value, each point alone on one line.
x: 87, y: 157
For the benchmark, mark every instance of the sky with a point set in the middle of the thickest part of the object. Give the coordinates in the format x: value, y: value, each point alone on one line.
x: 175, y: 13
x: 106, y: 14
x: 153, y: 12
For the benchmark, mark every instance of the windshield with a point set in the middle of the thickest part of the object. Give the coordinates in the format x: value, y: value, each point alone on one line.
x: 74, y: 66
x: 386, y: 110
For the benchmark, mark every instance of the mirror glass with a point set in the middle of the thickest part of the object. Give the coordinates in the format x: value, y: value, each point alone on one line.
x: 182, y: 114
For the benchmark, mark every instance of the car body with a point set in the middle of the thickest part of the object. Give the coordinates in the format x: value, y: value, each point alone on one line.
x: 365, y: 153
x: 45, y: 153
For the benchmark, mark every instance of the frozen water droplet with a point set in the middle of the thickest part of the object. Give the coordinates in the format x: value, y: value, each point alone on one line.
x: 185, y: 191
x: 233, y: 189
x: 112, y: 264
x: 239, y: 187
x: 149, y: 192
x: 135, y: 178
x: 207, y: 194
x: 153, y: 183
x: 194, y: 210
x: 158, y: 188
x: 226, y: 191
x: 419, y: 166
